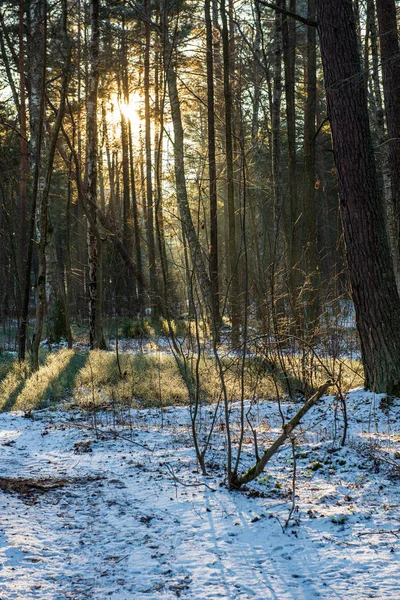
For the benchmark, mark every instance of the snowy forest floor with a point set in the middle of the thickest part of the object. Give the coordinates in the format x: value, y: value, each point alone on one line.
x: 134, y: 518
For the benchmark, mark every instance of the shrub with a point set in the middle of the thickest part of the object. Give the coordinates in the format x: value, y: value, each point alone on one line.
x: 135, y: 328
x: 179, y: 327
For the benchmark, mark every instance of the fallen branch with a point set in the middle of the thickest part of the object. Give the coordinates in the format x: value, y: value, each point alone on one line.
x: 259, y: 467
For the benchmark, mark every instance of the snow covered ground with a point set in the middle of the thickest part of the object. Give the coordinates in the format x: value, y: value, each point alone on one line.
x: 136, y: 519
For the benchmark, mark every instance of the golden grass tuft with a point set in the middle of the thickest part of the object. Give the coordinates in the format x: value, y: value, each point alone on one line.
x: 23, y: 390
x: 152, y: 379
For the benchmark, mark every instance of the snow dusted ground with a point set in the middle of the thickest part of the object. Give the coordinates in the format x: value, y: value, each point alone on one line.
x: 130, y: 529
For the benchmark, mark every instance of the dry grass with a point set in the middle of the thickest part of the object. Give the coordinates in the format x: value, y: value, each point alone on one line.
x: 20, y: 389
x: 147, y: 380
x: 153, y: 379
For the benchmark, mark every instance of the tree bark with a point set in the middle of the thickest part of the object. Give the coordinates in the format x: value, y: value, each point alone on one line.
x: 23, y: 166
x: 136, y: 230
x: 154, y: 294
x: 128, y: 287
x: 311, y: 308
x: 43, y: 204
x: 37, y: 73
x: 378, y: 121
x: 68, y: 269
x: 234, y: 291
x: 212, y: 169
x: 196, y: 252
x: 96, y: 339
x: 276, y: 124
x: 292, y: 215
x: 390, y: 61
x: 169, y: 296
x: 373, y: 285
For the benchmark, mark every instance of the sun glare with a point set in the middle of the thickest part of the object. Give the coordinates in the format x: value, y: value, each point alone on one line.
x: 130, y: 111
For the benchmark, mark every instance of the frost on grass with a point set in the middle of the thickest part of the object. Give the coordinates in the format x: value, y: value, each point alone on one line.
x: 131, y: 516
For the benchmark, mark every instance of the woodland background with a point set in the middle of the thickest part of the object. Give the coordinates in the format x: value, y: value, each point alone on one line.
x: 168, y: 167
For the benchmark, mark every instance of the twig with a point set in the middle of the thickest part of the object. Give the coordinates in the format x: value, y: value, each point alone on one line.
x: 293, y: 507
x: 115, y: 435
x: 122, y: 558
x: 394, y: 532
x: 175, y: 478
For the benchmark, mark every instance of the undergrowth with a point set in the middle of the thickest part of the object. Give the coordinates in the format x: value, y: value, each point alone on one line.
x: 142, y: 380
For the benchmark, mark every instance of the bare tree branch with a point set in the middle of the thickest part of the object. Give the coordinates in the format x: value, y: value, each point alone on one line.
x: 288, y: 13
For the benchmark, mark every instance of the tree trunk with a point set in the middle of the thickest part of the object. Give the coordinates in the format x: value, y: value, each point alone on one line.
x: 292, y: 217
x: 36, y: 105
x: 276, y: 125
x: 374, y: 290
x: 43, y: 204
x: 169, y: 296
x: 390, y: 61
x: 196, y: 253
x: 378, y: 120
x: 212, y: 171
x: 154, y: 295
x: 128, y: 287
x: 311, y: 307
x: 96, y: 339
x: 68, y: 269
x: 23, y: 165
x: 136, y: 229
x: 234, y: 291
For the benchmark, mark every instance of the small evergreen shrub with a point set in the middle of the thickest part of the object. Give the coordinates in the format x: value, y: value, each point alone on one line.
x: 135, y: 328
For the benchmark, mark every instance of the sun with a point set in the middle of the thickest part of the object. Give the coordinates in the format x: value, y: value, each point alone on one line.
x: 130, y: 110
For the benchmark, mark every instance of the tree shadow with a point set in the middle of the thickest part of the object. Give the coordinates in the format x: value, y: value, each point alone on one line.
x: 54, y: 381
x: 12, y: 397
